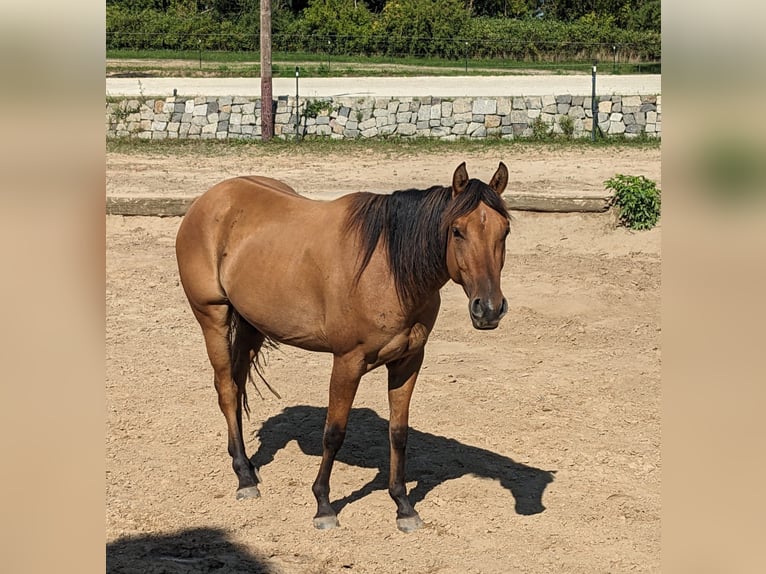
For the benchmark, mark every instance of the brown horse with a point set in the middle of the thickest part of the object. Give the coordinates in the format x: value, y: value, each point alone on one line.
x: 358, y: 277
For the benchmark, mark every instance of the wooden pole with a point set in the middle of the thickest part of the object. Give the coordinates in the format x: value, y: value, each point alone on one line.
x: 593, y: 103
x: 267, y: 119
x: 562, y: 201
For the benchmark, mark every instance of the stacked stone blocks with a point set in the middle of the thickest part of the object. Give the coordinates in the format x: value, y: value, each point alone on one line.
x: 351, y: 118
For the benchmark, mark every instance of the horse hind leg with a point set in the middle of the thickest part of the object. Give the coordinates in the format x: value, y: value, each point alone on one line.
x: 229, y: 347
x: 245, y: 344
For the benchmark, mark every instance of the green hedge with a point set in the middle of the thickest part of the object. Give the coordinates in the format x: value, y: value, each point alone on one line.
x: 420, y: 28
x: 554, y: 40
x: 435, y: 28
x: 345, y: 26
x: 151, y: 30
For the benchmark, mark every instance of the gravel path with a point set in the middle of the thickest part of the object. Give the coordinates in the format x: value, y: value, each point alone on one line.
x: 451, y: 86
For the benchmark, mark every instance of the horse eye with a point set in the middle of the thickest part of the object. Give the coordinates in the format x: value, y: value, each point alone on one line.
x: 456, y: 233
x: 507, y: 231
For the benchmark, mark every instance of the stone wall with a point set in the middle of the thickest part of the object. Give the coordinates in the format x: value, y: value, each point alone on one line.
x: 349, y: 118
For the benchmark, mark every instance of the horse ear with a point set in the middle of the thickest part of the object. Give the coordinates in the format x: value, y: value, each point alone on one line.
x: 459, y: 180
x: 500, y: 179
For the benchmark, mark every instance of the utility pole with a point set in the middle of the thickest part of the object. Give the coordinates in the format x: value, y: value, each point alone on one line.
x: 593, y: 103
x: 267, y: 120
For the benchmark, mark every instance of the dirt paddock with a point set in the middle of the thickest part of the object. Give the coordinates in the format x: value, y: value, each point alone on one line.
x: 534, y: 447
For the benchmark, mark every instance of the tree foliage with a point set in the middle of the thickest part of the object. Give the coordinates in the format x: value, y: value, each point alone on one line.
x: 421, y: 28
x: 503, y: 8
x: 533, y: 29
x: 340, y: 26
x: 626, y: 14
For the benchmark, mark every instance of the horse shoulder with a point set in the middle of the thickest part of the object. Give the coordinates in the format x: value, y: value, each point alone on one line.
x: 398, y: 332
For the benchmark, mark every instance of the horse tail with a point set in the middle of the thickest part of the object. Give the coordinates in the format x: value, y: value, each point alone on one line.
x: 248, y: 349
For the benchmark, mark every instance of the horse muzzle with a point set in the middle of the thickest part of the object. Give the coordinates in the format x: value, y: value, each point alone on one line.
x: 486, y: 315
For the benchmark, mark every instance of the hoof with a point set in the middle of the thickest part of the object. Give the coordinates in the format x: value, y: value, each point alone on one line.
x: 410, y: 523
x: 248, y: 492
x: 326, y: 522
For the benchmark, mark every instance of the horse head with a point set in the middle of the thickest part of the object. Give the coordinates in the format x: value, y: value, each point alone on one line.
x: 477, y: 224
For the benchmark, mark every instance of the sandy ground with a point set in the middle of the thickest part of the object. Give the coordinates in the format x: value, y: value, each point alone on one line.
x: 534, y: 447
x: 533, y: 169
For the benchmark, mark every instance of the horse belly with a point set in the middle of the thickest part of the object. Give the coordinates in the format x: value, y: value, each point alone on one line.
x: 288, y: 315
x: 286, y: 307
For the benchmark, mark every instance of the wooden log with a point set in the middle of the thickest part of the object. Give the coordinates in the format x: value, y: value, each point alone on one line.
x: 154, y: 206
x: 553, y: 203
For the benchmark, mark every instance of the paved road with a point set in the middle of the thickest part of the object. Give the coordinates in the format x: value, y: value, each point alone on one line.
x: 452, y: 86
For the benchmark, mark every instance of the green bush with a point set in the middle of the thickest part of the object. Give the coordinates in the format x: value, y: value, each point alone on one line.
x: 421, y: 28
x: 566, y: 123
x: 346, y: 26
x: 540, y: 130
x: 637, y: 199
x: 315, y: 107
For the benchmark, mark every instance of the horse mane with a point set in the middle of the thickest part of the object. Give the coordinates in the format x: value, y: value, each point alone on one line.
x: 413, y: 225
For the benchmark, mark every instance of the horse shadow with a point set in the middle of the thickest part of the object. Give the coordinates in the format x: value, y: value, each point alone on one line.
x: 431, y: 459
x: 195, y: 550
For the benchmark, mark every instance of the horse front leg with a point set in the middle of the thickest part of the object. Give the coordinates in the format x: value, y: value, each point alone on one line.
x: 402, y: 375
x: 344, y: 382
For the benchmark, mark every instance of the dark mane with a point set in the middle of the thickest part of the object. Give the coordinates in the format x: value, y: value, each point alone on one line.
x: 413, y: 225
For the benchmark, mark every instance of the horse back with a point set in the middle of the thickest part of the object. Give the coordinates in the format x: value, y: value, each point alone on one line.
x: 274, y: 255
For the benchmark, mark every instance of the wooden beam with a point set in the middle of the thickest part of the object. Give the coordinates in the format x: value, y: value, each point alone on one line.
x: 555, y: 203
x: 169, y: 206
x: 154, y: 206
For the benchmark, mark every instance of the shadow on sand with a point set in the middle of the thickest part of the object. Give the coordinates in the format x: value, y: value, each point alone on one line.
x: 189, y: 551
x: 431, y: 459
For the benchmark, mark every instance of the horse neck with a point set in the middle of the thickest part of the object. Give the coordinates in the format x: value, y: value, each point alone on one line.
x: 408, y: 226
x: 417, y: 244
